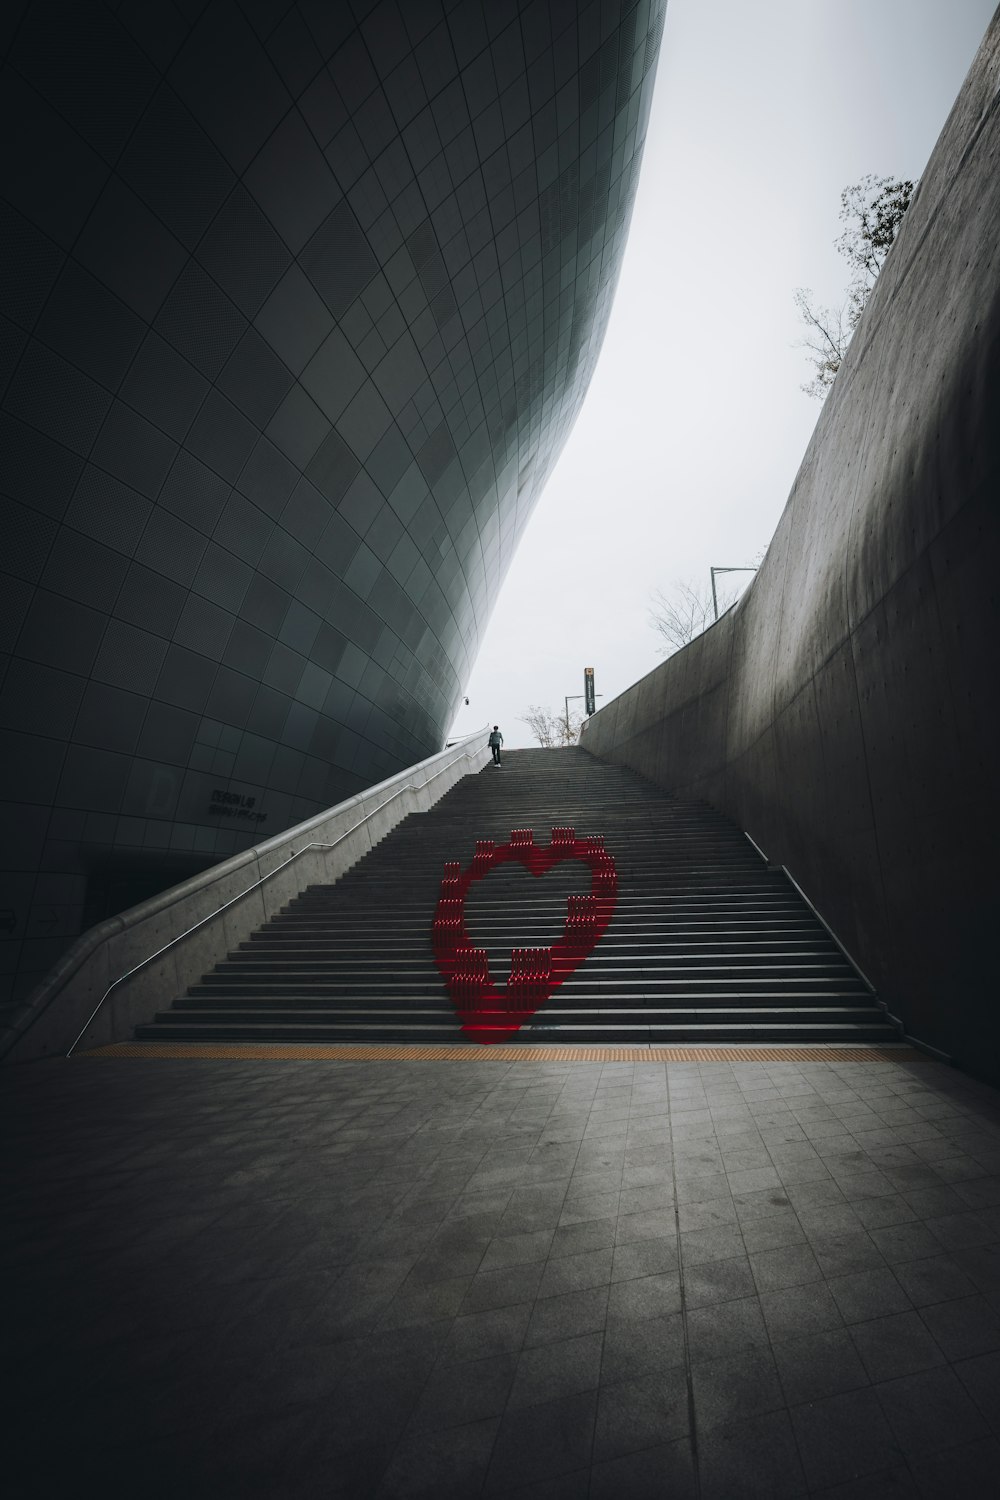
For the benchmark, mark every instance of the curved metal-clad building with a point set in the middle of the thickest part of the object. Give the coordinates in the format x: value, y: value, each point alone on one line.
x: 300, y: 302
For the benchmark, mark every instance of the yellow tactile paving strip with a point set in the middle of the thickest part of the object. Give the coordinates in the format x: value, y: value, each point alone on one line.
x: 390, y: 1052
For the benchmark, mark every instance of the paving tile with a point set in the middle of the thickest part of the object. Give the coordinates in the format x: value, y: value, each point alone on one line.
x: 756, y: 1458
x: 596, y: 1173
x: 937, y: 1279
x: 985, y: 1193
x: 814, y: 1195
x: 365, y: 1413
x: 745, y: 1156
x: 790, y: 1265
x: 719, y: 1243
x: 753, y: 1179
x: 250, y: 1455
x: 550, y: 1371
x: 733, y: 1389
x: 653, y: 1155
x: 810, y: 1168
x: 868, y: 1294
x: 645, y: 1346
x: 397, y: 1353
x: 815, y: 1365
x: 724, y: 1328
x: 829, y: 1221
x: 649, y: 1130
x: 698, y: 1160
x: 469, y: 1231
x: 523, y: 1218
x: 667, y: 1469
x: 650, y: 1224
x: 516, y: 1250
x: 776, y: 1134
x: 489, y: 1289
x: 456, y: 1395
x: 569, y: 1314
x: 899, y: 1344
x: 443, y: 1264
x: 482, y: 1334
x: 572, y: 1273
x: 964, y: 1327
x: 718, y: 1281
x: 902, y: 1242
x: 543, y: 1442
x: 705, y: 1214
x: 932, y: 1201
x: 844, y: 1437
x: 780, y: 1229
x: 793, y: 1153
x: 864, y: 1184
x: 876, y: 1213
x: 645, y: 1296
x: 982, y: 1265
x: 297, y: 1279
x: 644, y: 1199
x: 962, y: 1231
x: 966, y: 1472
x: 643, y: 1413
x: 819, y: 1131
x: 644, y: 1258
x: 585, y: 1208
x: 591, y: 1234
x: 839, y: 1255
x: 931, y: 1411
x: 799, y: 1310
x: 701, y: 1187
x: 638, y: 1177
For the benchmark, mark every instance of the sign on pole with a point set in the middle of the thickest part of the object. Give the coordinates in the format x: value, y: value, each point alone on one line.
x: 589, y: 700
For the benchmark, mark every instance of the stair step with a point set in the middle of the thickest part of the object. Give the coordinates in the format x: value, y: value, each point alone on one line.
x: 369, y: 1030
x: 705, y: 942
x: 552, y: 1014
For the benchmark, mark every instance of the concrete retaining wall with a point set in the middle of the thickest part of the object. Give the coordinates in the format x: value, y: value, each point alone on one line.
x: 195, y: 925
x: 845, y: 711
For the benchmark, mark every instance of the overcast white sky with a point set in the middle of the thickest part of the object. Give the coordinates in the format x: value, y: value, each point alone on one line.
x: 694, y: 426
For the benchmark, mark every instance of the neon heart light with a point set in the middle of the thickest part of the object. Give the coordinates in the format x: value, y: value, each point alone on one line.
x: 489, y: 1014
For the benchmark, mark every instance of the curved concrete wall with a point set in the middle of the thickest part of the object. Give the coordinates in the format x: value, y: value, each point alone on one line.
x: 845, y: 711
x: 298, y: 304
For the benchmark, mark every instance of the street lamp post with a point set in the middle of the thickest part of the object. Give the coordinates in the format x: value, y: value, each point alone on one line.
x: 572, y: 698
x: 713, y: 571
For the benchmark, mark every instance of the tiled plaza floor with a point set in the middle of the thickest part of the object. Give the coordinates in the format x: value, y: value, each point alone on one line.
x: 446, y: 1279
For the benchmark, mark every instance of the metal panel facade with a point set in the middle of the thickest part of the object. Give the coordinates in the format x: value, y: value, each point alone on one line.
x: 300, y: 302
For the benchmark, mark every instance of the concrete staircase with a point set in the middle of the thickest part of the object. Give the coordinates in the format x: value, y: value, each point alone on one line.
x: 705, y: 945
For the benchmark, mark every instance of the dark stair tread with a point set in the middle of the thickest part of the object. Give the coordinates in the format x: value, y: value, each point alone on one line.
x: 705, y: 942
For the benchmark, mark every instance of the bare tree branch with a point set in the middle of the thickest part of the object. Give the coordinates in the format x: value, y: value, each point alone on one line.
x: 684, y: 612
x: 828, y: 333
x: 552, y: 730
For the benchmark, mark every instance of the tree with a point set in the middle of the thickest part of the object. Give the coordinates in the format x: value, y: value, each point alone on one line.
x: 827, y: 334
x: 552, y: 730
x: 872, y: 211
x: 684, y: 613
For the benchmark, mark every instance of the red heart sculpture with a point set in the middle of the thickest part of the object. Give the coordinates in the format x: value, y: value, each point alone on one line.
x: 489, y: 1014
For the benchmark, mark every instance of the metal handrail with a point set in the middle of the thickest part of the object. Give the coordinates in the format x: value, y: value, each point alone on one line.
x: 411, y: 786
x: 817, y: 914
x: 900, y: 1025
